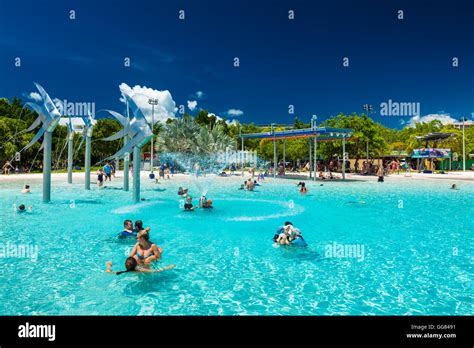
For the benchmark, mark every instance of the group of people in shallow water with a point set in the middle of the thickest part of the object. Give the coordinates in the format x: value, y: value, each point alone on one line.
x: 287, y: 234
x: 143, y: 254
x: 249, y: 184
x: 204, y: 202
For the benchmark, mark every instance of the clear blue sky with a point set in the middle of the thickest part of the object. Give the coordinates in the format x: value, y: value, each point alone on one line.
x: 282, y: 62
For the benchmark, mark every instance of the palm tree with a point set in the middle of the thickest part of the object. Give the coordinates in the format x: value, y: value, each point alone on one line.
x: 178, y: 136
x: 183, y: 135
x: 212, y: 140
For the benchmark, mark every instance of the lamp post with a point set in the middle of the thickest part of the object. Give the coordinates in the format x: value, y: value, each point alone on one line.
x: 152, y: 102
x: 369, y: 109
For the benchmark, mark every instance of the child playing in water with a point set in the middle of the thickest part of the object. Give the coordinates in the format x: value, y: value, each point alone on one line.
x: 131, y: 266
x: 188, y: 206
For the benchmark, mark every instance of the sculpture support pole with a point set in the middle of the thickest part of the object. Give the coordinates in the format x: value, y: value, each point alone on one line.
x: 343, y: 158
x: 126, y: 167
x: 69, y: 157
x: 87, y: 164
x: 136, y: 174
x: 48, y: 137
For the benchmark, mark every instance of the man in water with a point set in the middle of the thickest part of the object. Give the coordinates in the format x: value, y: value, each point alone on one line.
x: 250, y: 184
x: 127, y: 230
x: 26, y: 189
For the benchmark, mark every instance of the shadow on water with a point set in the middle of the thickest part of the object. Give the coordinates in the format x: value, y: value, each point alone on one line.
x: 154, y: 190
x: 112, y: 188
x: 141, y: 283
x: 78, y: 201
x: 301, y: 254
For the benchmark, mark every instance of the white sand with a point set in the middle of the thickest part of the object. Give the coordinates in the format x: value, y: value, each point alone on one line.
x: 468, y: 175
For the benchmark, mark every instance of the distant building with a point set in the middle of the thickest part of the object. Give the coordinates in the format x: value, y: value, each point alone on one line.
x: 467, y: 124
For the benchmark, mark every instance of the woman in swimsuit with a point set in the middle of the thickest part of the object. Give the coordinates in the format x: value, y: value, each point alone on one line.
x: 145, y: 252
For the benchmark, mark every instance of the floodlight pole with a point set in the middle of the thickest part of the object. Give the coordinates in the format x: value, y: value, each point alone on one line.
x: 284, y: 156
x: 48, y: 137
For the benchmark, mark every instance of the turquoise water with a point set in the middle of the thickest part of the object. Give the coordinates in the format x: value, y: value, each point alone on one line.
x: 417, y: 239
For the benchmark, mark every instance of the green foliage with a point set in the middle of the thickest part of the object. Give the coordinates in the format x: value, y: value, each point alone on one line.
x: 206, y: 133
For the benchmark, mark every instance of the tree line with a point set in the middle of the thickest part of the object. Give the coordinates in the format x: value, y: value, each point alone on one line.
x: 206, y: 133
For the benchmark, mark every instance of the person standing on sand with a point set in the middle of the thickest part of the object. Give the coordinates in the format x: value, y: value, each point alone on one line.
x: 380, y: 173
x: 7, y: 167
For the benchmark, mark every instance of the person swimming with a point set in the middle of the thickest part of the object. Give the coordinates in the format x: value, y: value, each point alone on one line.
x: 454, y: 187
x: 145, y: 251
x: 242, y: 187
x: 303, y: 188
x: 180, y: 191
x: 127, y: 230
x: 22, y: 208
x: 26, y: 189
x: 131, y: 266
x: 188, y: 206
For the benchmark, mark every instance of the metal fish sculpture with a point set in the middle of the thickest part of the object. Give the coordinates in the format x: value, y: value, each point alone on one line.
x: 137, y: 129
x: 48, y: 116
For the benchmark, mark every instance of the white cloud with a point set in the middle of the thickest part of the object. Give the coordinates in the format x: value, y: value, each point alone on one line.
x: 165, y: 109
x: 443, y: 118
x: 235, y: 112
x: 192, y: 104
x: 35, y: 96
